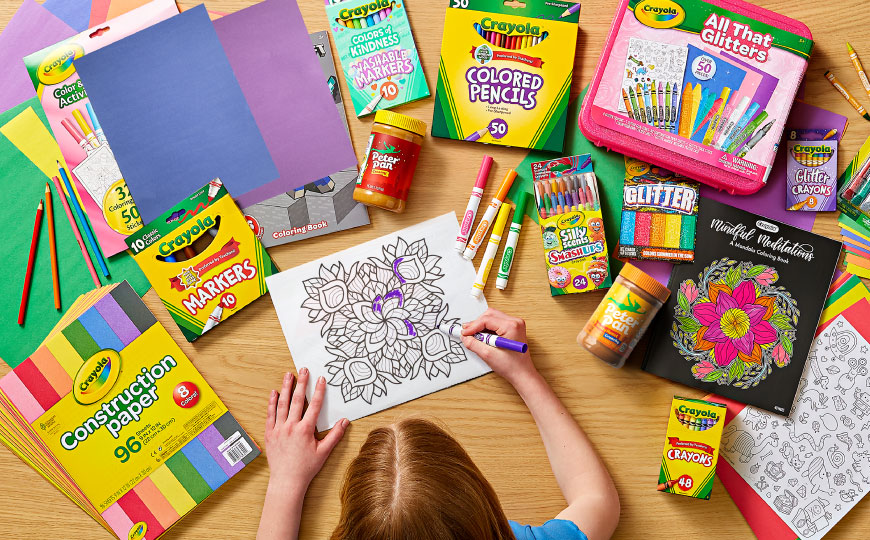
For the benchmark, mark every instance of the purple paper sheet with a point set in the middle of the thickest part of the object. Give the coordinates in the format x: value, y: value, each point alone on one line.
x: 268, y: 48
x: 770, y: 200
x: 75, y: 13
x: 31, y: 28
x: 765, y: 88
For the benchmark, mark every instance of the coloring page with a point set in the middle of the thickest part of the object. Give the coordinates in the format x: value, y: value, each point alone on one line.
x: 649, y: 62
x: 367, y: 319
x: 813, y: 466
x: 98, y: 172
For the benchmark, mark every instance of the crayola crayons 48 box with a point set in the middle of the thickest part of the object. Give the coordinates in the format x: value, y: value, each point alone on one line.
x: 505, y: 72
x: 691, y: 447
x: 203, y: 259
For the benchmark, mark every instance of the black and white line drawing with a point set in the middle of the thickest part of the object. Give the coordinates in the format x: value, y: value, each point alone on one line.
x: 845, y: 439
x: 842, y: 343
x: 836, y: 457
x: 785, y: 502
x: 756, y: 418
x: 861, y: 406
x: 839, y: 403
x: 742, y: 443
x: 818, y: 476
x: 848, y: 495
x: 773, y: 469
x: 818, y: 379
x: 857, y: 368
x: 791, y: 457
x: 812, y: 518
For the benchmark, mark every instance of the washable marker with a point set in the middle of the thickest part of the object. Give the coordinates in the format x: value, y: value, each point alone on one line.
x: 853, y: 56
x: 482, y: 227
x: 510, y: 248
x: 455, y: 331
x: 573, y: 9
x: 686, y: 111
x: 757, y: 138
x: 845, y: 93
x: 372, y: 104
x: 491, y: 250
x: 747, y: 132
x: 862, y: 193
x: 477, y: 134
x: 733, y: 118
x: 655, y: 105
x: 98, y: 130
x: 81, y: 215
x: 473, y: 204
x: 77, y: 137
x: 34, y: 240
x: 674, y: 91
x: 857, y: 179
x: 214, y: 319
x: 747, y: 116
x: 76, y: 233
x: 661, y: 106
x: 628, y: 108
x: 86, y: 129
x: 52, y: 246
x: 697, y: 98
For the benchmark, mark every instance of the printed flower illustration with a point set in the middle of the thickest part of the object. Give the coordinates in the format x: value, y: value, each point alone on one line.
x: 380, y: 319
x: 734, y: 324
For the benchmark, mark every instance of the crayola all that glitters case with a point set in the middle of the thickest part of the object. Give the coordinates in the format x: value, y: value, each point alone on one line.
x: 702, y: 88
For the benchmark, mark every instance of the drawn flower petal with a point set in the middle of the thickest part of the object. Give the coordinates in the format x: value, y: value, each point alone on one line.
x: 724, y: 302
x: 755, y: 313
x: 764, y: 333
x: 705, y: 313
x: 724, y: 352
x: 744, y: 293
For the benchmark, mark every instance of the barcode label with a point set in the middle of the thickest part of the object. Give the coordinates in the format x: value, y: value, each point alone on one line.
x: 235, y: 448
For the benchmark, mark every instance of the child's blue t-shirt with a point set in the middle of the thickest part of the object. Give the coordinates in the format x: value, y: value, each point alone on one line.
x: 555, y: 529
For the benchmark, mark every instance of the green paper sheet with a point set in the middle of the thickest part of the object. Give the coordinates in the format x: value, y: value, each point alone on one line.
x: 23, y: 185
x: 847, y: 286
x: 609, y: 167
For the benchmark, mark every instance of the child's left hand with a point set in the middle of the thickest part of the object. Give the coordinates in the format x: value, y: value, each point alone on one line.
x: 295, y: 455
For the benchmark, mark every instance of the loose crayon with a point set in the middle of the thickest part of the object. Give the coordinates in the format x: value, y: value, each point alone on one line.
x: 853, y: 56
x: 845, y: 93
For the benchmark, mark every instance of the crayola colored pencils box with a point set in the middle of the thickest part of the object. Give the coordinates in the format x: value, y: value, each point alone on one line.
x: 203, y: 259
x: 377, y: 52
x: 505, y: 72
x: 691, y: 447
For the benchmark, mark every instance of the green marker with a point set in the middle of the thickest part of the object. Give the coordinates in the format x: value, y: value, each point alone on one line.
x: 747, y: 132
x: 507, y: 259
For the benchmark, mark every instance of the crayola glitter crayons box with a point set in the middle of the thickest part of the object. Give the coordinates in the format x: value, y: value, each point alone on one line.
x: 505, y: 72
x: 811, y: 174
x: 203, y: 259
x: 377, y: 53
x: 659, y: 212
x: 691, y: 447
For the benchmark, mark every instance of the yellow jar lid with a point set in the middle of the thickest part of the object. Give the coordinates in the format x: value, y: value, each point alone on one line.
x: 401, y: 121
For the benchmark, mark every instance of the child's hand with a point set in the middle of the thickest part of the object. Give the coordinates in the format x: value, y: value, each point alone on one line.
x: 513, y: 366
x: 295, y: 455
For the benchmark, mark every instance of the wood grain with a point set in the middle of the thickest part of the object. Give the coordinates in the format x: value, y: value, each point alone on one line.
x: 624, y: 411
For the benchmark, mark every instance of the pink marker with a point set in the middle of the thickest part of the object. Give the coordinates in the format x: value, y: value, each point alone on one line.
x: 78, y: 137
x: 473, y: 203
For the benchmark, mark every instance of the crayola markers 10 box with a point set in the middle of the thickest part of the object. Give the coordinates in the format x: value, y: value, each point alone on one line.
x: 505, y: 72
x: 203, y: 259
x: 377, y: 53
x: 691, y: 447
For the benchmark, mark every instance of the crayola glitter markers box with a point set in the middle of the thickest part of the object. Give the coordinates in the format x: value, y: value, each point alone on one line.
x: 377, y: 52
x: 505, y: 72
x: 203, y: 259
x: 691, y: 447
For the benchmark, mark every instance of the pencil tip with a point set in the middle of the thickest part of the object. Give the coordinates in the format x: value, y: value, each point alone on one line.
x: 866, y: 116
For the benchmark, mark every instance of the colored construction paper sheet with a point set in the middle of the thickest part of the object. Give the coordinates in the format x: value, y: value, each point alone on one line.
x: 854, y: 226
x: 765, y: 88
x: 170, y: 104
x: 31, y: 28
x: 75, y: 13
x: 292, y: 106
x: 854, y: 237
x: 23, y: 185
x: 99, y: 12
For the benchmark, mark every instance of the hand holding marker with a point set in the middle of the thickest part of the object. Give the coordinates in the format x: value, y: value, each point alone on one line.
x: 486, y: 220
x: 455, y: 331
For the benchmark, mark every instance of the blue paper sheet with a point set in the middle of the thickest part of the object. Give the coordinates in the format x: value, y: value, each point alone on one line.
x: 75, y: 13
x: 724, y: 75
x: 174, y: 113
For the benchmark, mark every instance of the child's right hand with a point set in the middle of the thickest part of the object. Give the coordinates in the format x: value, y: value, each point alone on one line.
x: 511, y: 365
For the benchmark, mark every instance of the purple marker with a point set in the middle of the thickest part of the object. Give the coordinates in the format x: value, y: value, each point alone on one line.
x: 455, y: 330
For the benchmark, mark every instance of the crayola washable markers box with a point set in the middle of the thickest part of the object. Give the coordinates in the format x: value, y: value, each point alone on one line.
x: 96, y: 178
x: 505, y: 72
x: 377, y: 53
x: 203, y: 259
x: 691, y: 447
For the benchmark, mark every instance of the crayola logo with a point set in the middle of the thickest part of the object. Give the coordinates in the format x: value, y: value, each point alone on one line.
x: 364, y: 10
x: 186, y: 237
x: 660, y: 13
x: 58, y: 64
x: 482, y: 227
x: 570, y: 220
x: 137, y: 531
x: 97, y: 376
x: 509, y: 28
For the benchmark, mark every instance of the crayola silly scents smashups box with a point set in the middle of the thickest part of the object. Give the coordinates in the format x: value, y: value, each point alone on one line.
x: 505, y: 72
x: 377, y: 53
x: 203, y: 259
x: 691, y: 447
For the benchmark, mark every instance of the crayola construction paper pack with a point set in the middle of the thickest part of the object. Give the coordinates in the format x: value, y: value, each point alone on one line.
x: 132, y: 432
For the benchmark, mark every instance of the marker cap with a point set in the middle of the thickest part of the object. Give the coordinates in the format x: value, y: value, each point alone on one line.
x: 483, y: 174
x: 520, y: 211
x: 506, y: 184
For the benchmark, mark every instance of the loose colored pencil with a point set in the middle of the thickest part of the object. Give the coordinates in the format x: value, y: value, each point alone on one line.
x: 49, y: 216
x: 78, y: 235
x: 81, y: 216
x: 34, y: 240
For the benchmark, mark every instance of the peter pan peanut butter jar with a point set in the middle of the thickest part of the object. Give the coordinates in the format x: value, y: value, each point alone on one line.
x: 390, y: 161
x: 623, y: 316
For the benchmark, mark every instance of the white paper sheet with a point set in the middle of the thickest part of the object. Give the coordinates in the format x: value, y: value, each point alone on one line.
x: 367, y: 318
x: 813, y: 466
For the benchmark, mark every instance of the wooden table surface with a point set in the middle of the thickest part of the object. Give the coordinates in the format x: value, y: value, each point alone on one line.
x: 623, y: 411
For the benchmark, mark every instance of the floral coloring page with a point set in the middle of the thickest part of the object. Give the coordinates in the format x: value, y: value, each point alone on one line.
x: 813, y: 466
x: 367, y: 319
